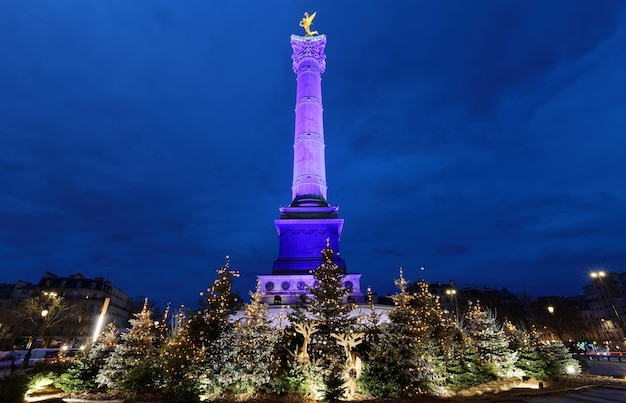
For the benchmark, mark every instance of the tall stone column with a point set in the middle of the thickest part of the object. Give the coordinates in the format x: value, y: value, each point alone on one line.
x: 309, y: 223
x: 309, y: 166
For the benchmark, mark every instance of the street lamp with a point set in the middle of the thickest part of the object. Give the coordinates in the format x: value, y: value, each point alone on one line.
x: 556, y: 324
x: 451, y: 293
x: 44, y: 313
x: 599, y: 275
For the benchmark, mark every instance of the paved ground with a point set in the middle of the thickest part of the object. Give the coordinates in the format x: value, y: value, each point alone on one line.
x: 612, y: 368
x: 597, y: 395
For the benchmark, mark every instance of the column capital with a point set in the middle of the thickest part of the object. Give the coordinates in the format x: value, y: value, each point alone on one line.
x: 308, y: 51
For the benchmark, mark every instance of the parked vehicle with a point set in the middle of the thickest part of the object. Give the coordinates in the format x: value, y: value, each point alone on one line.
x: 9, y: 358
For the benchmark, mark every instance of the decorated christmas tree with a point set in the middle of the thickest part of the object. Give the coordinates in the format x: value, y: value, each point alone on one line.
x: 529, y: 346
x: 81, y: 375
x: 133, y: 356
x: 488, y: 335
x: 217, y: 304
x: 462, y: 362
x: 328, y: 308
x: 369, y: 322
x: 241, y: 359
x: 559, y: 360
x: 406, y: 358
x: 257, y: 340
x: 178, y: 358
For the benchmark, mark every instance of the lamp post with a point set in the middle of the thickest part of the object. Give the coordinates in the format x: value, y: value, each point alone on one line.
x: 451, y: 293
x: 556, y: 324
x: 44, y: 313
x: 599, y: 275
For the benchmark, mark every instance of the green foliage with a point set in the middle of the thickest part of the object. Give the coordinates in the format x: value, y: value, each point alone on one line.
x: 298, y: 379
x: 43, y: 376
x: 80, y: 377
x: 218, y: 303
x: 529, y: 352
x: 326, y: 307
x: 136, y: 347
x: 142, y: 377
x: 13, y: 388
x: 559, y: 360
x: 334, y: 388
x: 381, y: 376
x: 188, y: 390
x: 241, y: 359
x: 82, y: 372
x: 462, y: 363
x: 489, y: 337
x: 177, y: 355
x: 410, y: 344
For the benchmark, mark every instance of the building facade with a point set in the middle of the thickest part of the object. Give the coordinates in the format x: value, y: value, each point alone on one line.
x: 606, y: 308
x: 85, y: 298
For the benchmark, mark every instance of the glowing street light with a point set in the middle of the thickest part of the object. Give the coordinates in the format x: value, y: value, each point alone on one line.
x: 599, y: 275
x: 44, y: 313
x: 451, y: 293
x: 556, y: 324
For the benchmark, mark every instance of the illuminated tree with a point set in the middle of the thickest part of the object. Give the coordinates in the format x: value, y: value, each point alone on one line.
x: 177, y: 353
x: 488, y: 335
x: 559, y: 360
x: 527, y: 345
x: 462, y: 362
x: 370, y: 321
x: 217, y: 304
x: 326, y: 306
x: 406, y: 358
x: 242, y: 359
x: 81, y: 375
x: 134, y: 354
x: 257, y: 338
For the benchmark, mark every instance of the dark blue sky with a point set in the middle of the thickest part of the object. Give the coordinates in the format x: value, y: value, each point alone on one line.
x: 143, y: 141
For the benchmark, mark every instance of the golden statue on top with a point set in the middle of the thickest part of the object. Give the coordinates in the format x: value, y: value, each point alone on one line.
x: 306, y: 23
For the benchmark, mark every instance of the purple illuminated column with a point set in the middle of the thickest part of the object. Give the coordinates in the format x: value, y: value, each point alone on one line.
x: 309, y: 169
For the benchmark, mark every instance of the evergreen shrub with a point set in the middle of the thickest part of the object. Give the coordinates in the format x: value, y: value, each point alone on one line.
x: 13, y: 388
x: 79, y: 377
x: 143, y: 377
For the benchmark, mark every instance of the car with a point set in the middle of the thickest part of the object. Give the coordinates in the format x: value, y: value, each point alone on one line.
x: 10, y: 358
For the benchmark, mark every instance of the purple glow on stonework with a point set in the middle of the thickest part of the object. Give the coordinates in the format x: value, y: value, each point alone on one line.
x: 306, y: 224
x: 309, y: 168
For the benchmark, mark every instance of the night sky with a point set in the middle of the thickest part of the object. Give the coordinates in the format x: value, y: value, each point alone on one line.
x: 143, y: 141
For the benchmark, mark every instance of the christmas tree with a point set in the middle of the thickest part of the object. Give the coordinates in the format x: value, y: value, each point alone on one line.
x: 488, y: 335
x: 178, y: 357
x: 81, y: 375
x: 217, y: 304
x: 559, y: 360
x: 406, y: 358
x: 134, y: 354
x: 242, y: 359
x: 327, y: 307
x: 528, y: 346
x: 462, y: 362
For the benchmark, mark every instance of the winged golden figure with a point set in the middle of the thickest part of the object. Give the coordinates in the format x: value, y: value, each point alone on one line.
x: 306, y: 23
